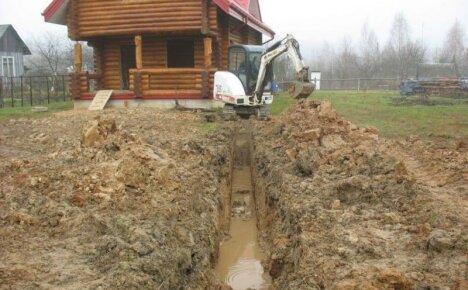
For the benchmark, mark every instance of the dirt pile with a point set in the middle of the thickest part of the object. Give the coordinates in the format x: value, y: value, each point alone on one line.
x: 123, y: 200
x: 441, y: 162
x: 340, y: 212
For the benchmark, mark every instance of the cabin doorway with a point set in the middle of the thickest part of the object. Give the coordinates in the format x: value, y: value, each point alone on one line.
x: 127, y: 62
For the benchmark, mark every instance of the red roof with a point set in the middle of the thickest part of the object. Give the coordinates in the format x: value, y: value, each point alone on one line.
x: 247, y: 11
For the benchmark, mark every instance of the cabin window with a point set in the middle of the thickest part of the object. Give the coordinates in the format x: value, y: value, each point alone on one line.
x: 180, y: 53
x: 8, y: 66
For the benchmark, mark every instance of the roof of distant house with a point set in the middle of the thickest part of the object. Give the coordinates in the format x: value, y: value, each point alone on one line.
x: 3, y: 31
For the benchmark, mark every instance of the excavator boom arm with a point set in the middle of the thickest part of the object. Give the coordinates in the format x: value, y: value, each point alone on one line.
x: 288, y: 45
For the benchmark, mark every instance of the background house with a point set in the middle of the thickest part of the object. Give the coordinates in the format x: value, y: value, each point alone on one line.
x: 12, y: 51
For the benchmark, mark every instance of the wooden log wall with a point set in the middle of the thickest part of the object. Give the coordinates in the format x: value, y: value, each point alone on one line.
x: 239, y: 33
x: 236, y: 30
x: 213, y: 17
x: 254, y: 37
x: 107, y: 58
x: 103, y: 21
x: 80, y: 83
x: 154, y: 52
x: 223, y: 39
x: 116, y: 17
x: 175, y: 81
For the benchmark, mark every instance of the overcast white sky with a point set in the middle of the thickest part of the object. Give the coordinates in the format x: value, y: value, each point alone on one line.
x: 312, y: 22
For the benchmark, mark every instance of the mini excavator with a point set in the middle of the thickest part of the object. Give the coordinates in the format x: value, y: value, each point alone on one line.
x: 246, y: 88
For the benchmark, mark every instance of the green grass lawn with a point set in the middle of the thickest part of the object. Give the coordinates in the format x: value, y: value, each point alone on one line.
x: 25, y: 112
x: 378, y: 109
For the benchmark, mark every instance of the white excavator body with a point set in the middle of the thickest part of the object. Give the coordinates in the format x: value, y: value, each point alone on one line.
x: 246, y: 88
x: 228, y: 88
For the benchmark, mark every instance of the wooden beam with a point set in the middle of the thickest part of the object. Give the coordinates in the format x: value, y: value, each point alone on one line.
x: 137, y: 85
x: 139, y: 51
x: 78, y: 61
x: 205, y: 84
x: 208, y: 44
x: 75, y: 85
x: 205, y: 16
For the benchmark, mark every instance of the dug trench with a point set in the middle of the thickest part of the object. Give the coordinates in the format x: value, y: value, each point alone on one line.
x: 240, y: 259
x: 337, y: 208
x: 145, y: 199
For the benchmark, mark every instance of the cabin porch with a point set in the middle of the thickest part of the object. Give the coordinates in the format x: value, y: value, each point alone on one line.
x: 150, y: 67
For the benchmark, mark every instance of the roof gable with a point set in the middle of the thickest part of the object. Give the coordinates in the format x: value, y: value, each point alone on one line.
x: 7, y: 32
x: 247, y: 11
x: 254, y: 9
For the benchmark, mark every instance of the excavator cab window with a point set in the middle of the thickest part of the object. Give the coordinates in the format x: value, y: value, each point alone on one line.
x: 244, y: 62
x: 254, y: 60
x: 238, y: 64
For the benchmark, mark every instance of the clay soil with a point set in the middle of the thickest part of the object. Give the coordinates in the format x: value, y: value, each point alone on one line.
x: 345, y: 209
x: 122, y: 200
x: 137, y: 199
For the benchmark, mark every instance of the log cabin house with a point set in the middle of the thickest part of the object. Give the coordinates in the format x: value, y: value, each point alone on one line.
x: 154, y: 52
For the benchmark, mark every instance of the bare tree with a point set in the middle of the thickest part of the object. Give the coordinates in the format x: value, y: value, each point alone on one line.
x: 369, y: 52
x: 52, y: 54
x: 402, y: 55
x: 453, y: 48
x: 325, y: 61
x: 464, y: 69
x: 347, y: 60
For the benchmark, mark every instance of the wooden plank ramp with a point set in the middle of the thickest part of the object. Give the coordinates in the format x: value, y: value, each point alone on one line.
x: 100, y: 100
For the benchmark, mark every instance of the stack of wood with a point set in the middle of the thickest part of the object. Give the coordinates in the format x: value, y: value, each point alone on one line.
x: 443, y: 87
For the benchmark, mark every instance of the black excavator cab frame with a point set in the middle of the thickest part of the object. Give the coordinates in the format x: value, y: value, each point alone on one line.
x: 244, y: 61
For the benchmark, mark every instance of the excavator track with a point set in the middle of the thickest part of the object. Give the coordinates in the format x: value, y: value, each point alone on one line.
x: 263, y: 113
x: 229, y: 113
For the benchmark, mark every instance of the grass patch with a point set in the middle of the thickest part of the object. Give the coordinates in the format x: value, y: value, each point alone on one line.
x: 280, y: 103
x: 25, y: 112
x: 205, y: 127
x: 377, y: 109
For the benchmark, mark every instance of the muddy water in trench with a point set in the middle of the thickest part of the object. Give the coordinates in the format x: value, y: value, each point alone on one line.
x: 239, y: 263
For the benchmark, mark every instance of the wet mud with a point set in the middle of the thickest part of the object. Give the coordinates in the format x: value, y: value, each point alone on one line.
x: 240, y: 260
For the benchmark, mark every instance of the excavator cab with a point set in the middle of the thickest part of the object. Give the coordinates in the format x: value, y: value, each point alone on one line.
x: 244, y: 62
x: 246, y: 88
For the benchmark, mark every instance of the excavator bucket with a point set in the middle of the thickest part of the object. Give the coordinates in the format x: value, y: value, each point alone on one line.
x: 301, y: 90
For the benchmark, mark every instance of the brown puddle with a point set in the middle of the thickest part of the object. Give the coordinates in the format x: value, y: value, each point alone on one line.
x: 239, y: 263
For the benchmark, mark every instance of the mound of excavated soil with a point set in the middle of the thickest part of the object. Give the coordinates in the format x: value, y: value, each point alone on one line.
x: 127, y: 200
x: 340, y: 212
x: 139, y: 199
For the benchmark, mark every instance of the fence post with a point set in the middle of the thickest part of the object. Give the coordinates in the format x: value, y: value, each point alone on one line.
x: 63, y: 88
x: 30, y: 91
x: 48, y: 90
x: 1, y: 92
x: 12, y: 93
x: 359, y: 85
x: 22, y: 101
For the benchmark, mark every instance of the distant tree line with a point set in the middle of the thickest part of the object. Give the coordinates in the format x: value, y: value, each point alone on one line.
x: 397, y: 58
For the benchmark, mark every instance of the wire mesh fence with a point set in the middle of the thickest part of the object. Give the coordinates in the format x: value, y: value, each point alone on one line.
x: 33, y: 90
x: 355, y: 84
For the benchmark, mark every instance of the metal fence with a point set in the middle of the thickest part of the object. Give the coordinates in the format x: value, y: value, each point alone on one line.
x: 356, y: 84
x: 33, y: 90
